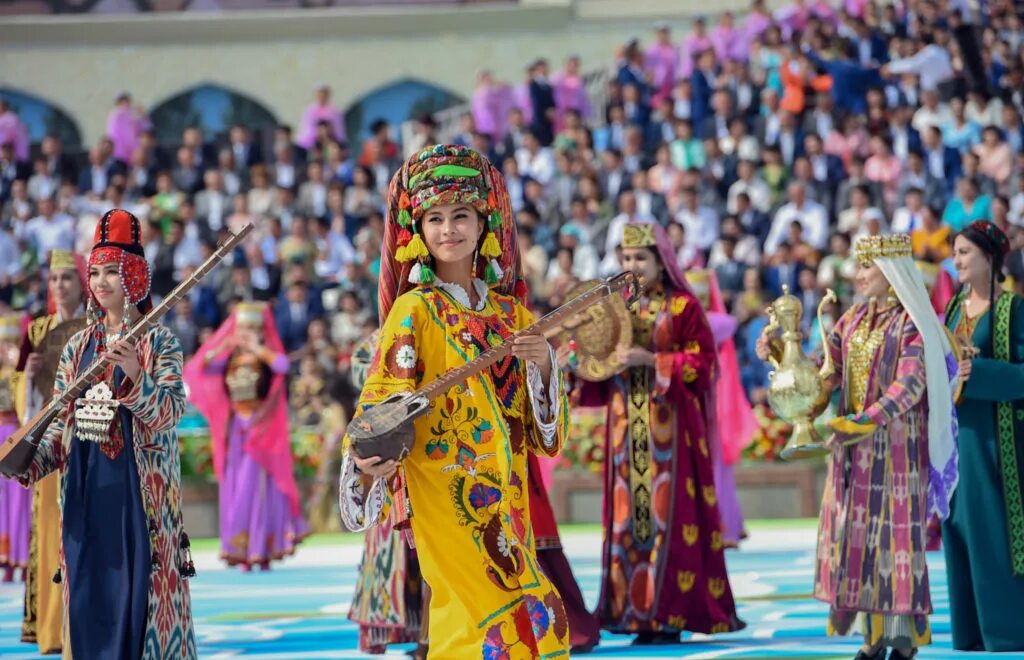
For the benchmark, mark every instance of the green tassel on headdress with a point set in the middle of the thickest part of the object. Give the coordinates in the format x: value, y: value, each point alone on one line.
x: 426, y: 275
x: 493, y: 273
x: 404, y: 219
x: 495, y: 220
x: 489, y: 275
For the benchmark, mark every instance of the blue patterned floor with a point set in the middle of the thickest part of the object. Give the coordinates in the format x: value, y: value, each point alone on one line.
x: 298, y: 610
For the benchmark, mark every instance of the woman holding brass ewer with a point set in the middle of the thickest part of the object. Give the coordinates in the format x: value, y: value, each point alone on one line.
x: 984, y: 534
x: 124, y: 559
x: 893, y: 458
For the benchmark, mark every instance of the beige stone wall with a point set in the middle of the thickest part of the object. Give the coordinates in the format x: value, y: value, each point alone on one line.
x: 80, y: 63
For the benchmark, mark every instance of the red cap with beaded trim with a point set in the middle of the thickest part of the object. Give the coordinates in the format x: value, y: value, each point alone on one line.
x: 118, y: 239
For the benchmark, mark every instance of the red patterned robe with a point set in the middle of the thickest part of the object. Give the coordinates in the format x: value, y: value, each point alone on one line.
x: 663, y: 566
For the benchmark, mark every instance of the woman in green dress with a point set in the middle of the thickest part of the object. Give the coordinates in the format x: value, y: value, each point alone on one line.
x: 984, y: 534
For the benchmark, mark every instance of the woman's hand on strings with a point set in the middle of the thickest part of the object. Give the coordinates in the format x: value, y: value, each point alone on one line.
x: 965, y: 370
x: 374, y: 467
x: 535, y: 349
x: 126, y: 356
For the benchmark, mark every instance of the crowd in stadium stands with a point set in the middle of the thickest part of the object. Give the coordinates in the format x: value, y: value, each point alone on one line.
x: 767, y: 144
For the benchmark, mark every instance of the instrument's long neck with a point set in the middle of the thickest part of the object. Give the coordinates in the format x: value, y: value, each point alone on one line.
x: 86, y: 378
x: 542, y: 326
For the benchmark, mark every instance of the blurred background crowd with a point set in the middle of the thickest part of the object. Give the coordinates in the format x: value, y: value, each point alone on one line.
x: 767, y: 143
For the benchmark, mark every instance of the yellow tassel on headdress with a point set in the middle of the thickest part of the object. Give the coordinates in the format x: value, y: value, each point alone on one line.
x: 490, y: 248
x: 414, y: 250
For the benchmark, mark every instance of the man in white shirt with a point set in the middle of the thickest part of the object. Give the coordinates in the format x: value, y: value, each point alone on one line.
x: 700, y: 222
x: 810, y: 214
x: 909, y: 217
x: 931, y: 64
x: 48, y: 231
x: 627, y: 213
x: 931, y: 113
x: 212, y: 204
x: 757, y: 190
x: 285, y: 173
x: 312, y: 197
x: 534, y: 160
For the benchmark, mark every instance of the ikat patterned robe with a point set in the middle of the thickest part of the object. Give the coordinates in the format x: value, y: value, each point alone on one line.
x: 874, y: 511
x: 157, y: 403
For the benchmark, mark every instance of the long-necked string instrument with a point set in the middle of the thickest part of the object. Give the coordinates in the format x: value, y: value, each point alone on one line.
x: 386, y: 429
x: 19, y: 448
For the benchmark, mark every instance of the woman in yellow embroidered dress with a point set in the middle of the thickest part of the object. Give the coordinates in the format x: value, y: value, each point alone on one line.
x: 462, y: 490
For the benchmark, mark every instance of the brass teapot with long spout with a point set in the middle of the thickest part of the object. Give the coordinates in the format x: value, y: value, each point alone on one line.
x: 798, y: 390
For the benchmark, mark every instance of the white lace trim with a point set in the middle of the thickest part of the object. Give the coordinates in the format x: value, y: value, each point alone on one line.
x: 456, y: 291
x: 546, y: 405
x: 359, y: 511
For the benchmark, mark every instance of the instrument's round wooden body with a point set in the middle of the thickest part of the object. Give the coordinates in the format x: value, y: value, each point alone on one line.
x: 386, y: 429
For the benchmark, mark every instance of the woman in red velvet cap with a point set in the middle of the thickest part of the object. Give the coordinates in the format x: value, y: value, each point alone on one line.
x: 124, y: 555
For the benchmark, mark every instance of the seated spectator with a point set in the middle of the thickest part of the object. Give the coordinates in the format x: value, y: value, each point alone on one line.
x: 854, y: 220
x: 931, y: 240
x: 782, y: 269
x: 967, y: 206
x: 810, y: 214
x: 995, y: 156
x: 838, y: 267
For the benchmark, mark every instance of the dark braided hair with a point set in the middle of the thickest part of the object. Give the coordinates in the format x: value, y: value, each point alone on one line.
x: 994, y: 244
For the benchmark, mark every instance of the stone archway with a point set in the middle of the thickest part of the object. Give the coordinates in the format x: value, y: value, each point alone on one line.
x: 42, y: 118
x: 396, y: 103
x: 213, y: 108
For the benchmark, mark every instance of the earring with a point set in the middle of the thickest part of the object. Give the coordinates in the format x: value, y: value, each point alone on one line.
x: 126, y: 318
x: 92, y: 314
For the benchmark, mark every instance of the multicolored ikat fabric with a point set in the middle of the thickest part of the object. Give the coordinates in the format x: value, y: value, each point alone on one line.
x: 156, y: 403
x: 874, y: 513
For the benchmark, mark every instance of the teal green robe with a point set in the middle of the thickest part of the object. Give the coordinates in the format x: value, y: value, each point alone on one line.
x: 986, y: 599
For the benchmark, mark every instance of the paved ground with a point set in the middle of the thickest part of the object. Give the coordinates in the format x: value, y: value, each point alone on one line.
x: 297, y: 611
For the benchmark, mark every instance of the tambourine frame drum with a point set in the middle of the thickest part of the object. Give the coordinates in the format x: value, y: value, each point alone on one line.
x: 598, y: 331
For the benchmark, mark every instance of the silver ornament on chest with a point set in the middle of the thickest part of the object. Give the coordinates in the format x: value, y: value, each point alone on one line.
x: 94, y: 413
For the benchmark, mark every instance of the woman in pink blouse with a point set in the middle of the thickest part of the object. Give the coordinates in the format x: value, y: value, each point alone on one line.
x: 884, y: 167
x: 995, y: 155
x: 847, y: 140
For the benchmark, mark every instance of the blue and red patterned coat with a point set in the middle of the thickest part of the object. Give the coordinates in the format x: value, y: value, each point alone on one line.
x: 156, y: 403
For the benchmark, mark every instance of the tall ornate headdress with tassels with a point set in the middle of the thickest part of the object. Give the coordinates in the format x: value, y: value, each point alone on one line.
x: 438, y: 175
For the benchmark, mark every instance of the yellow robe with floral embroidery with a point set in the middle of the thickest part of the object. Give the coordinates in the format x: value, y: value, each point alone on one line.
x: 466, y: 478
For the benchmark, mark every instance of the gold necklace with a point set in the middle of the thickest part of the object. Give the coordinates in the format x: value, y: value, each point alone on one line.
x: 863, y: 348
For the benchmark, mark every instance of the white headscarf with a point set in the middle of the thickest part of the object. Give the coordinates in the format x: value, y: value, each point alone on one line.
x: 941, y: 373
